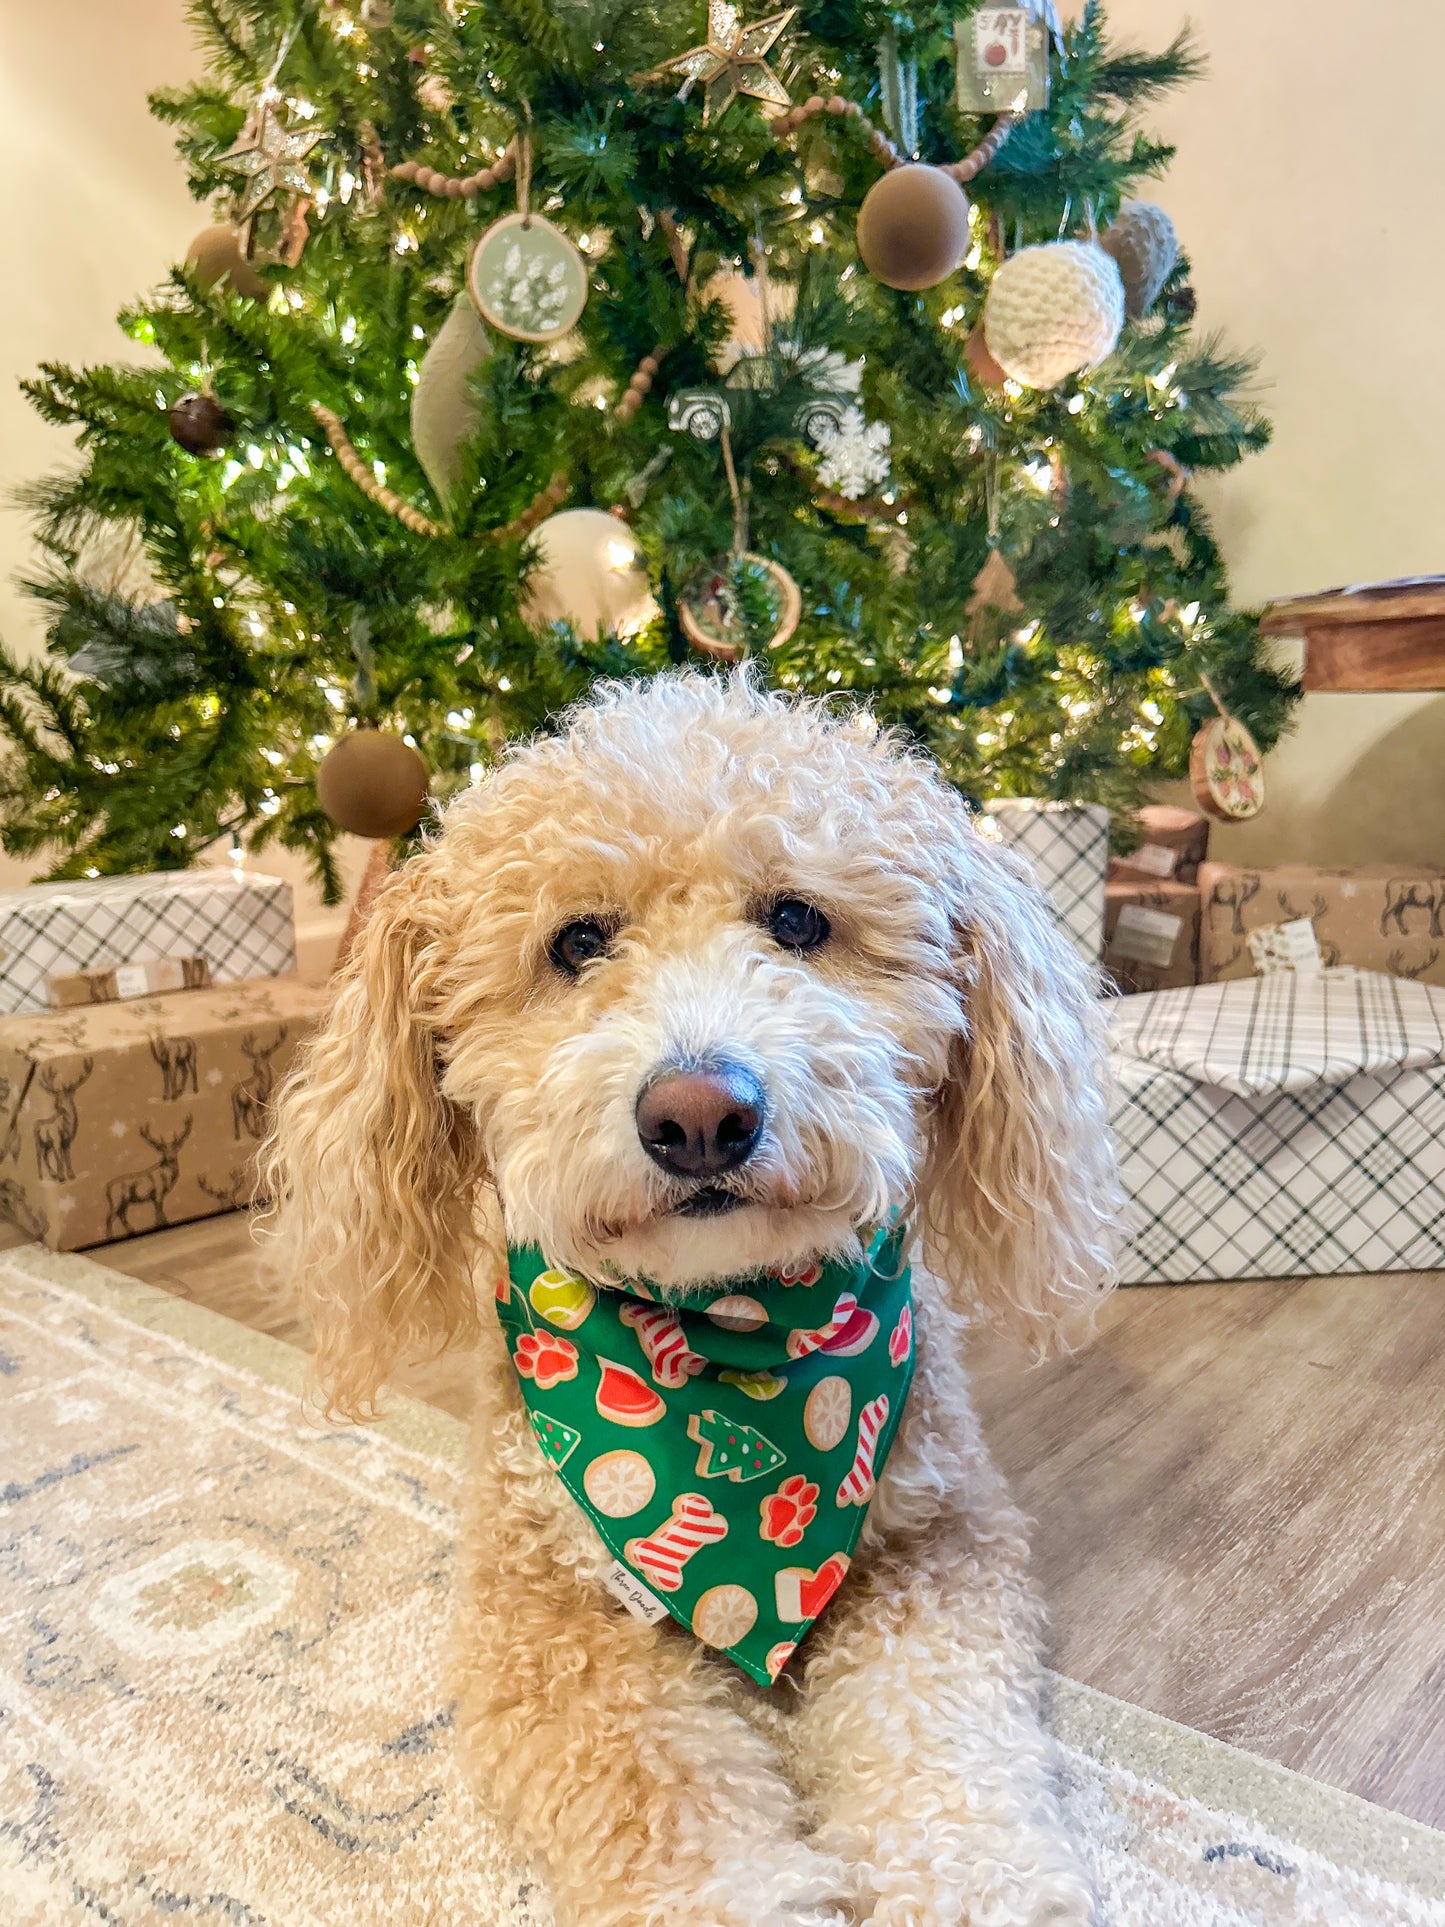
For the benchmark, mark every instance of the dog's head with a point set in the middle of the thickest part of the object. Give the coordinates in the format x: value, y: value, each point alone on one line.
x: 709, y: 981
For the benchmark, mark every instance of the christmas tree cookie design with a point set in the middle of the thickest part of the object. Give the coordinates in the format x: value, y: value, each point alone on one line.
x: 730, y: 1450
x: 558, y: 1441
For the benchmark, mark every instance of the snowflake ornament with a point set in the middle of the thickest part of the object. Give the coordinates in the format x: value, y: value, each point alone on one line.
x: 855, y: 455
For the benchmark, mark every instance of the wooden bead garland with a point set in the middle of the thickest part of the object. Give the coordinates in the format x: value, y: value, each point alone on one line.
x: 451, y: 187
x: 536, y: 511
x: 640, y: 384
x: 971, y: 165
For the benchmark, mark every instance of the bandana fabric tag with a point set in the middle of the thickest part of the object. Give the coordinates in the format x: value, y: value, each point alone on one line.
x: 726, y: 1446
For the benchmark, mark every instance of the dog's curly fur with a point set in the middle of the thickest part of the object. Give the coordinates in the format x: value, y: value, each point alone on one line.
x: 940, y: 1054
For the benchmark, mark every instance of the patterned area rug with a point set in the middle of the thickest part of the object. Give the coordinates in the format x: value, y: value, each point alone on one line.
x: 222, y: 1638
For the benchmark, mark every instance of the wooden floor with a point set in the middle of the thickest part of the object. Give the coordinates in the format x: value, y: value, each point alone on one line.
x: 1239, y: 1493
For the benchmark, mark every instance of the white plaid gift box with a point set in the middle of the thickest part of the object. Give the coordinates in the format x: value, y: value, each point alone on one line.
x: 1067, y: 847
x: 241, y: 924
x: 1282, y: 1127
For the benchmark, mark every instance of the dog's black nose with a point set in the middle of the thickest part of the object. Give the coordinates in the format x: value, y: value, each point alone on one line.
x: 697, y: 1123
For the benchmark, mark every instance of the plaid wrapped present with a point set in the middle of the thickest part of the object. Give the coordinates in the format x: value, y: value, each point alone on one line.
x: 1287, y: 1126
x: 240, y: 925
x: 1067, y: 847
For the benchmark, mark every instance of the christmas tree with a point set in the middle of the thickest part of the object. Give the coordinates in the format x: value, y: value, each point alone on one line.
x: 535, y: 342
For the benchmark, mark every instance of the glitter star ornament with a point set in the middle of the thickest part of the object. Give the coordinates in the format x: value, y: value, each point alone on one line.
x: 270, y: 159
x: 731, y: 61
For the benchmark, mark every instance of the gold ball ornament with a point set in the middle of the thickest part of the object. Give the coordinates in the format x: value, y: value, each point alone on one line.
x: 371, y: 783
x: 588, y: 572
x: 218, y: 255
x: 1143, y: 245
x: 1053, y: 310
x: 913, y: 227
x: 980, y: 362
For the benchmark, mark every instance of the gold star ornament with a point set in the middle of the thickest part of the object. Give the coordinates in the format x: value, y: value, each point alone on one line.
x: 270, y: 158
x: 731, y: 61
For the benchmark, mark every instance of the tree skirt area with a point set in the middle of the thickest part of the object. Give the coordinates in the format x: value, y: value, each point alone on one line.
x: 223, y: 1636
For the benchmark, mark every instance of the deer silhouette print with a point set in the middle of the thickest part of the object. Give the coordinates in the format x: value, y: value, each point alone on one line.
x: 177, y: 1059
x: 151, y: 1186
x: 1404, y: 894
x: 250, y: 1098
x: 1232, y: 894
x: 232, y: 1195
x: 55, y: 1134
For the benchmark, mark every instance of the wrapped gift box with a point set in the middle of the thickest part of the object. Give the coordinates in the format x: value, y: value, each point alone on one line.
x: 240, y: 924
x: 1376, y: 917
x: 1175, y: 843
x: 1067, y: 847
x: 1290, y: 1126
x: 1151, y: 935
x: 121, y: 1118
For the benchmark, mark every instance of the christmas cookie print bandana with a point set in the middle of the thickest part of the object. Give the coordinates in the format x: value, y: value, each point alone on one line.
x: 725, y: 1445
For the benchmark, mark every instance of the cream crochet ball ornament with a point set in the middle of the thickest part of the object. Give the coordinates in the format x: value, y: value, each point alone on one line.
x: 1052, y: 310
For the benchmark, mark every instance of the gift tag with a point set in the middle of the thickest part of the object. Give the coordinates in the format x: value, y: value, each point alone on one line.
x: 527, y: 279
x: 1152, y: 859
x: 1002, y: 61
x: 1146, y: 936
x: 1286, y: 946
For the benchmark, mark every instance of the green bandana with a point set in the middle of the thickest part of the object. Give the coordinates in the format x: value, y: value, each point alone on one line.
x: 742, y: 1532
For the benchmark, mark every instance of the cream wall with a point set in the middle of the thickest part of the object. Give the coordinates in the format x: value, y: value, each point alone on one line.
x: 1324, y: 259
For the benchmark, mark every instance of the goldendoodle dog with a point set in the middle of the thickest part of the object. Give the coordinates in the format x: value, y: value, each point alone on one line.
x: 725, y: 1002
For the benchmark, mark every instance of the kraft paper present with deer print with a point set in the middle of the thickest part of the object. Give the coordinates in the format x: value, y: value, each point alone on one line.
x: 1375, y: 917
x: 240, y: 924
x: 121, y: 1118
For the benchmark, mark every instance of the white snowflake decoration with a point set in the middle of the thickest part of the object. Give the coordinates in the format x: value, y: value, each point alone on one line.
x: 855, y: 455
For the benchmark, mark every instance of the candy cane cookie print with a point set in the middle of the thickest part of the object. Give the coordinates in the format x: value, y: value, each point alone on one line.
x: 800, y: 1343
x: 857, y: 1486
x: 659, y: 1332
x: 663, y: 1554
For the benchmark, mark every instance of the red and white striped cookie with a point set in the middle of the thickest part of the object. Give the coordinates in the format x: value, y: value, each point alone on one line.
x: 858, y: 1481
x: 659, y: 1332
x: 663, y: 1554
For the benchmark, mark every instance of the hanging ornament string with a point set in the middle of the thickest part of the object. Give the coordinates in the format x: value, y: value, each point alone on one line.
x: 344, y: 449
x: 740, y: 507
x: 968, y: 168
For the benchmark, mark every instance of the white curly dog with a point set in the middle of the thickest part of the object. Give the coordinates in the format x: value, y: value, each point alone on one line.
x: 699, y: 879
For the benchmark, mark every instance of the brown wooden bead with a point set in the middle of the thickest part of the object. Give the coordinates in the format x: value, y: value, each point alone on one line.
x: 836, y: 105
x: 814, y: 104
x: 648, y: 365
x: 641, y: 384
x: 853, y: 110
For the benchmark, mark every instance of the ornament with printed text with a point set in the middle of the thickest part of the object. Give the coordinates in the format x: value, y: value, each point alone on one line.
x: 1052, y: 311
x: 218, y: 260
x: 588, y: 572
x: 714, y: 608
x: 527, y: 279
x: 913, y: 227
x: 200, y: 425
x: 373, y: 784
x: 1226, y: 769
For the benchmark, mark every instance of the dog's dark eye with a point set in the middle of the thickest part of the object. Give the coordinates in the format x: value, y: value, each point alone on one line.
x: 578, y: 943
x: 797, y: 925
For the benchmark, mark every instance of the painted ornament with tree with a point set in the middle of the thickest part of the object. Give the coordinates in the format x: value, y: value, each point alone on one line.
x: 531, y: 344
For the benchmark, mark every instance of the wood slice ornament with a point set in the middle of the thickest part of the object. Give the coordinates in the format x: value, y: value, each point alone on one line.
x: 711, y: 616
x: 527, y: 279
x: 1226, y: 769
x: 372, y: 784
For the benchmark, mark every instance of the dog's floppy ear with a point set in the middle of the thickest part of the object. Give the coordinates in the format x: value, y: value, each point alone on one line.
x: 1022, y: 1205
x: 372, y: 1174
